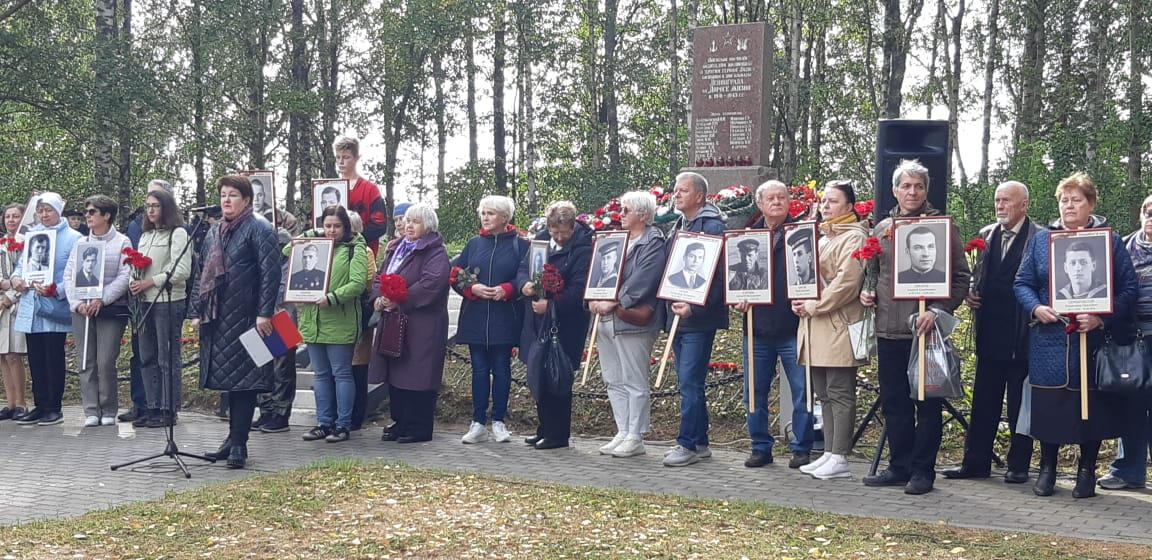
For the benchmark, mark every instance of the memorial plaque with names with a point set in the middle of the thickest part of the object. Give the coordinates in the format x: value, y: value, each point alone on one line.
x: 731, y: 92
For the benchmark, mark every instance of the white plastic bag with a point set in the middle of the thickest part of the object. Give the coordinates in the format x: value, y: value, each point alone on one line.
x: 942, y: 363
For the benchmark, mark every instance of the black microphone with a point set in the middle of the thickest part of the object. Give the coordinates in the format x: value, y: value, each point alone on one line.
x: 204, y: 208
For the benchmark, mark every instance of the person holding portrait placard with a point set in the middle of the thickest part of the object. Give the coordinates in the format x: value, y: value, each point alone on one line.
x: 1053, y: 357
x: 823, y: 340
x: 803, y: 258
x: 13, y: 345
x: 630, y: 325
x: 692, y: 345
x: 363, y: 195
x: 915, y: 428
x: 98, y: 323
x: 44, y: 316
x: 774, y: 341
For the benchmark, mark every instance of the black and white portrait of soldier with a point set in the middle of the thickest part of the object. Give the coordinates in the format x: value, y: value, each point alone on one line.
x: 801, y: 256
x: 1080, y: 263
x: 606, y: 268
x: 747, y: 274
x: 309, y: 277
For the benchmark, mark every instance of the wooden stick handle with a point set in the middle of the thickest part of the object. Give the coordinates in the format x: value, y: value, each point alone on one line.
x: 667, y: 350
x: 1083, y: 376
x: 808, y: 363
x: 751, y: 367
x: 591, y: 347
x: 920, y: 366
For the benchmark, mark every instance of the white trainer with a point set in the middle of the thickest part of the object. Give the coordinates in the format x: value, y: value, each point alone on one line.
x: 807, y: 469
x: 835, y: 467
x: 609, y: 447
x: 632, y: 446
x: 500, y: 432
x: 90, y: 421
x: 108, y: 421
x: 477, y: 433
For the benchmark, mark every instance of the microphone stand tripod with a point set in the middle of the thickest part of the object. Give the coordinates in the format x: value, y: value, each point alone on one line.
x: 170, y: 449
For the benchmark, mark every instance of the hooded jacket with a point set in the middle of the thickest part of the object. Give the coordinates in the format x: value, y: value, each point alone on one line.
x: 339, y: 323
x: 713, y: 314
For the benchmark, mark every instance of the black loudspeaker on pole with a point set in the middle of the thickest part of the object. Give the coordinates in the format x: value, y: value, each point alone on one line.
x: 926, y: 141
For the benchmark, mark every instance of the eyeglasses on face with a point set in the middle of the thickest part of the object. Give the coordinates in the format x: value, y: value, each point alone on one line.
x: 91, y: 211
x: 152, y: 205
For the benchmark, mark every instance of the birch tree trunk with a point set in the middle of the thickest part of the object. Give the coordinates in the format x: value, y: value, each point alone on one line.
x: 993, y: 55
x: 498, y: 133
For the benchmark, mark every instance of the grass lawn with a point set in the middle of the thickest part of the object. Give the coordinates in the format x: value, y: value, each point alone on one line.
x: 348, y: 509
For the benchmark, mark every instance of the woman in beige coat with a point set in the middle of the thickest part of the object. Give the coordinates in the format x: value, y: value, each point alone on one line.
x: 825, y: 322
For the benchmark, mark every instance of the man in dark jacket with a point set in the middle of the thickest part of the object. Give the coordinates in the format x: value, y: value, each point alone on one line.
x: 1001, y: 339
x: 774, y: 339
x: 696, y: 332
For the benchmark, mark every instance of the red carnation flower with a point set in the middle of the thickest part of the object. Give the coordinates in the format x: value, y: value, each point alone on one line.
x: 976, y: 244
x: 394, y: 287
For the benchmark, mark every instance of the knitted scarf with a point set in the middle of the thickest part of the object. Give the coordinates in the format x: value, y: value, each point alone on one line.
x: 215, y: 266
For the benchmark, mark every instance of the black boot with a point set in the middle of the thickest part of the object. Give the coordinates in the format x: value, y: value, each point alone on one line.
x: 1046, y: 479
x: 1086, y: 473
x: 237, y: 456
x: 222, y: 453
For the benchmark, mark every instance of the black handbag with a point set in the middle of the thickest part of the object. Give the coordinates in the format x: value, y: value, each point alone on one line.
x: 1124, y: 368
x: 548, y: 359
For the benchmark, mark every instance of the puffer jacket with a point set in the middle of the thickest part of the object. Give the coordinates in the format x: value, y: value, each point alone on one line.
x: 714, y: 314
x: 1053, y: 355
x: 839, y: 305
x: 643, y: 265
x: 339, y: 323
x: 248, y: 290
x: 44, y: 314
x: 892, y: 315
x: 485, y: 321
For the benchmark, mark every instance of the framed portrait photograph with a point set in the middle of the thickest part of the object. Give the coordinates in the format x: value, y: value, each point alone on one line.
x: 691, y: 266
x: 263, y: 193
x: 29, y: 218
x: 922, y: 250
x: 538, y: 257
x: 1080, y: 275
x: 39, y: 258
x: 748, y: 262
x: 88, y: 265
x: 328, y: 192
x: 309, y: 268
x: 607, y: 266
x: 803, y: 260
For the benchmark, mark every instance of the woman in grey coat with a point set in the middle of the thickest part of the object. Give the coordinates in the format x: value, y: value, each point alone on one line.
x: 629, y: 326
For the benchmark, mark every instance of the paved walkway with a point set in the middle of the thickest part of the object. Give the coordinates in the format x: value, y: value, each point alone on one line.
x: 63, y: 471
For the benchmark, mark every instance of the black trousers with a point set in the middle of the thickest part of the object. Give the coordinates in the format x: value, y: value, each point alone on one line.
x: 359, y: 406
x: 241, y: 405
x: 993, y: 377
x: 914, y: 427
x: 46, y: 364
x: 413, y: 411
x: 555, y: 413
x: 279, y: 400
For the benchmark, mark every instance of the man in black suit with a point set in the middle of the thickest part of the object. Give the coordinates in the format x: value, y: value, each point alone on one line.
x: 608, y: 257
x: 308, y: 277
x: 1001, y: 339
x: 921, y: 248
x: 87, y: 276
x: 689, y: 277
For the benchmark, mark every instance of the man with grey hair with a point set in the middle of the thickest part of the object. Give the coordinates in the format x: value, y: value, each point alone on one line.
x: 696, y: 333
x: 915, y: 427
x: 1001, y: 327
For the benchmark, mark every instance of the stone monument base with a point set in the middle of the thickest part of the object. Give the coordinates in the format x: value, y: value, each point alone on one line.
x: 750, y: 176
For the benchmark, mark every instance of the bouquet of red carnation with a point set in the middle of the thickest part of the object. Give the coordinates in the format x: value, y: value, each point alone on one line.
x: 137, y: 260
x: 549, y: 283
x: 869, y: 251
x: 864, y: 207
x: 463, y: 278
x: 976, y: 244
x: 394, y: 287
x: 11, y: 244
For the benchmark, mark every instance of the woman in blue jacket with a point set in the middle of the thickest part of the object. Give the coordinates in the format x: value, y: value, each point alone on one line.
x: 491, y: 313
x: 44, y: 315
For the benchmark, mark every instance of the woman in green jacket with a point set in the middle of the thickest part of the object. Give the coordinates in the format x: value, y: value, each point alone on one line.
x: 331, y: 327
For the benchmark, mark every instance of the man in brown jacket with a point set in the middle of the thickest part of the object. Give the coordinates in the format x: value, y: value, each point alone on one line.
x: 914, y: 427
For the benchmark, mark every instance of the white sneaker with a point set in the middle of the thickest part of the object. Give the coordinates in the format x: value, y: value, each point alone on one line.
x: 500, y: 432
x: 609, y: 447
x: 807, y: 469
x: 703, y: 451
x: 476, y: 434
x: 90, y: 421
x: 835, y: 467
x: 108, y: 421
x: 680, y: 457
x: 632, y: 446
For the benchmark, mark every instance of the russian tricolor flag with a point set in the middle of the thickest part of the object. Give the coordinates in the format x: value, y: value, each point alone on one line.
x: 284, y: 336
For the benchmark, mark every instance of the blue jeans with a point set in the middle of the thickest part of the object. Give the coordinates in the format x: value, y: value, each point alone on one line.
x: 491, y: 373
x: 333, y: 386
x: 768, y: 350
x: 693, y: 350
x: 1131, y: 464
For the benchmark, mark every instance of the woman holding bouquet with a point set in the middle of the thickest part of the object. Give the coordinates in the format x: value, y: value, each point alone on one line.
x: 98, y: 323
x: 491, y: 313
x: 160, y: 293
x: 12, y: 343
x: 331, y: 327
x: 413, y: 281
x: 235, y: 291
x: 569, y: 255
